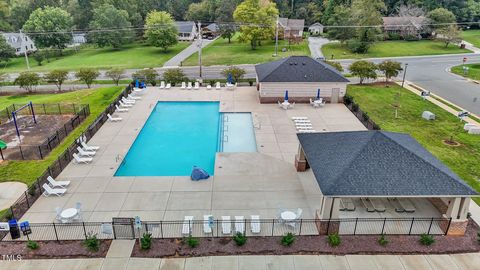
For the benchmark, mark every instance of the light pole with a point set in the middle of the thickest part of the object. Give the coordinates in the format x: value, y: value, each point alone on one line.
x: 200, y: 39
x: 404, y: 73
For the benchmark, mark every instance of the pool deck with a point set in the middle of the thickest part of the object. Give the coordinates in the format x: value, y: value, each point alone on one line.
x: 243, y: 184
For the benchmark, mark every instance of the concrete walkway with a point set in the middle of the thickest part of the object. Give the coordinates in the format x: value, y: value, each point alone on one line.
x: 471, y: 47
x: 181, y: 56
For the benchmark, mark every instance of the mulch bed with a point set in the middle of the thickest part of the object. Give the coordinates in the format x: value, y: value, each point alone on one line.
x: 53, y: 249
x: 364, y: 244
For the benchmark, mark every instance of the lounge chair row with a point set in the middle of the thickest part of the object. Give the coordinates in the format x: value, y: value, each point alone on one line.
x: 303, y: 125
x: 85, y: 153
x: 377, y: 205
x: 209, y: 223
x: 54, y: 187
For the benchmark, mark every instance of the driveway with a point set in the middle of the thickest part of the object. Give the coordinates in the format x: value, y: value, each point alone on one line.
x: 315, y: 44
x: 181, y: 56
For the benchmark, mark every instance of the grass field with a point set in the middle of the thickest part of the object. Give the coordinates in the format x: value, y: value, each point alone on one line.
x: 28, y: 171
x: 220, y: 52
x: 392, y: 49
x: 131, y: 56
x: 472, y: 36
x: 473, y: 71
x: 463, y: 159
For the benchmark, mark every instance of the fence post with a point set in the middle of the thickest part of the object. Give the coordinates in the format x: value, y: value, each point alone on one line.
x: 84, y: 230
x: 21, y: 152
x: 273, y: 225
x: 430, y: 227
x: 1, y: 153
x: 448, y: 226
x: 411, y: 225
x: 161, y: 229
x: 328, y: 225
x: 11, y: 210
x: 114, y: 233
x: 300, y: 230
x: 26, y: 199
x: 355, y: 228
x: 40, y: 151
x: 383, y: 227
x: 55, y: 229
x: 59, y: 110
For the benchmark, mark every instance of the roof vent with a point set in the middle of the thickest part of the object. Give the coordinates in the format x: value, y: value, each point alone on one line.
x: 303, y: 63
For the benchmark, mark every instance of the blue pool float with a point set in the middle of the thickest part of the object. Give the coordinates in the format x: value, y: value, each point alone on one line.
x: 199, y: 174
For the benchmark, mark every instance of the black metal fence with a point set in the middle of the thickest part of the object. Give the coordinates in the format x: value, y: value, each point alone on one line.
x: 361, y: 115
x: 126, y: 229
x: 35, y: 190
x: 41, y: 150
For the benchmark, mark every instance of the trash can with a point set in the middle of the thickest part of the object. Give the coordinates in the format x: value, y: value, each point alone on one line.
x: 14, y: 230
x: 462, y: 46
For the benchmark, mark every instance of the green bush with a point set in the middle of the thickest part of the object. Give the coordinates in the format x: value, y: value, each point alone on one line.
x: 146, y: 241
x: 334, y: 239
x: 365, y: 116
x: 347, y: 99
x: 426, y: 239
x: 288, y: 239
x: 192, y: 241
x: 355, y: 107
x: 32, y: 245
x: 240, y: 239
x: 92, y: 243
x: 382, y: 241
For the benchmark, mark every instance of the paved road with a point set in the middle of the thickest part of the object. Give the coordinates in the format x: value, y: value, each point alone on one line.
x: 181, y: 56
x: 315, y: 44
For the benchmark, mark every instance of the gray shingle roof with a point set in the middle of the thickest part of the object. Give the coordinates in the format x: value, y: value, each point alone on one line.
x: 292, y: 24
x: 378, y: 163
x: 184, y: 26
x: 298, y: 69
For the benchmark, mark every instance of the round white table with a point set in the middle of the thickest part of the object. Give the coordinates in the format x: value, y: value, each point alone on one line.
x: 69, y: 213
x: 288, y: 215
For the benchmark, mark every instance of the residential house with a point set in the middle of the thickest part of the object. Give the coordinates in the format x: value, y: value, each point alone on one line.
x: 210, y: 31
x: 379, y: 174
x: 79, y: 39
x: 187, y: 30
x: 20, y: 42
x: 406, y: 27
x: 291, y: 29
x: 302, y: 76
x: 316, y: 28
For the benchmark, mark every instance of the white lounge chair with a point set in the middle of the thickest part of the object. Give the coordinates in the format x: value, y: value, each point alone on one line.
x: 348, y: 204
x: 396, y: 205
x: 169, y: 85
x: 130, y: 96
x: 53, y: 191
x: 79, y: 159
x: 189, y: 86
x: 299, y: 118
x: 218, y: 86
x: 162, y: 84
x: 84, y: 153
x: 368, y: 205
x: 89, y: 147
x: 378, y: 204
x: 184, y: 85
x: 125, y: 105
x: 230, y: 86
x: 54, y: 183
x: 209, y: 87
x: 407, y: 205
x: 239, y: 224
x: 121, y: 109
x: 197, y: 86
x: 206, y: 224
x: 187, y: 225
x: 303, y: 124
x: 255, y: 224
x: 113, y: 119
x: 226, y: 225
x: 128, y: 101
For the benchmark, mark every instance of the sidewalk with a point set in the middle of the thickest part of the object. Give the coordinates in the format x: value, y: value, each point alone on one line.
x: 181, y: 56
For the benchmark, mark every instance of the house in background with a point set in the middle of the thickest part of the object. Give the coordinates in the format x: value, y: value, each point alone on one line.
x: 316, y: 28
x: 79, y: 39
x: 20, y: 42
x: 210, y: 31
x: 406, y: 27
x: 291, y: 29
x: 187, y: 30
x: 302, y: 76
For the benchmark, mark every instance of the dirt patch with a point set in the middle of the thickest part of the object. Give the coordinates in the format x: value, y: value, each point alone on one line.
x: 53, y: 250
x: 365, y: 244
x: 451, y: 143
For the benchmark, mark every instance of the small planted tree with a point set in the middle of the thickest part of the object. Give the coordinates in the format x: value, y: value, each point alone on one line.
x: 39, y: 57
x: 116, y: 74
x: 227, y: 31
x: 364, y: 70
x: 334, y: 239
x: 174, y: 75
x: 390, y: 69
x: 146, y: 241
x: 27, y: 80
x: 87, y: 75
x: 58, y: 77
x: 449, y: 35
x: 236, y: 72
x: 288, y: 239
x: 92, y: 243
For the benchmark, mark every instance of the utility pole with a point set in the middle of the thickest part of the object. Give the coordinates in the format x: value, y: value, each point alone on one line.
x: 26, y: 49
x: 200, y: 50
x: 276, y: 38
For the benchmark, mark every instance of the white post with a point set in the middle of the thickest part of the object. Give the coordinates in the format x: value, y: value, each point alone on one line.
x: 200, y: 49
x: 276, y: 38
x: 25, y: 52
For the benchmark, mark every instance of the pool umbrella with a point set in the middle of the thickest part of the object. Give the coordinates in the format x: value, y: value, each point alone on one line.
x: 230, y: 78
x: 318, y: 94
x: 286, y: 95
x: 3, y: 145
x: 136, y: 83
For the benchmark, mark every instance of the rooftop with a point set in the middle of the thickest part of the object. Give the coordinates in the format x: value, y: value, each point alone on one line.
x: 184, y: 26
x: 291, y: 24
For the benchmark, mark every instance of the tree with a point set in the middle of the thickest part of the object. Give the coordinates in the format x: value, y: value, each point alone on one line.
x: 27, y: 80
x: 448, y: 35
x: 236, y: 72
x: 174, y: 75
x: 87, y: 75
x: 257, y: 19
x: 440, y: 18
x: 161, y: 31
x: 390, y: 69
x: 54, y: 22
x: 409, y: 10
x: 227, y: 31
x: 6, y: 51
x: 335, y: 65
x: 341, y: 16
x: 204, y: 11
x: 149, y: 75
x: 311, y: 12
x: 39, y: 56
x: 58, y: 77
x: 364, y: 70
x: 116, y: 74
x: 366, y: 13
x: 107, y: 16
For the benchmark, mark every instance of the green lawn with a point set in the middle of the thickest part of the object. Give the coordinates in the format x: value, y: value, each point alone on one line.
x: 472, y: 36
x: 220, y: 52
x: 28, y: 171
x: 463, y: 159
x: 131, y: 56
x: 392, y: 49
x: 472, y: 73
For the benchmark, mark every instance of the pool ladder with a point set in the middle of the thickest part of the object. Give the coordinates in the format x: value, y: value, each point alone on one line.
x: 225, y: 128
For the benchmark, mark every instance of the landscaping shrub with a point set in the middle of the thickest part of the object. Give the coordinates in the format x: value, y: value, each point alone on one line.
x: 382, y: 241
x: 355, y: 107
x: 32, y: 190
x: 426, y: 239
x: 376, y: 127
x: 92, y: 243
x: 32, y: 245
x: 192, y: 241
x: 334, y: 239
x: 478, y: 237
x: 347, y: 99
x: 240, y: 239
x: 146, y: 241
x: 365, y: 116
x: 288, y: 239
x: 174, y: 75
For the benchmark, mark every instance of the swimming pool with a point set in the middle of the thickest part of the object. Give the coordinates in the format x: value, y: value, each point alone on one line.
x: 237, y: 133
x: 176, y: 136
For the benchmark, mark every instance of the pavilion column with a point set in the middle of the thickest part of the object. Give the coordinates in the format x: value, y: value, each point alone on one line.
x: 327, y: 217
x: 300, y: 160
x: 457, y: 212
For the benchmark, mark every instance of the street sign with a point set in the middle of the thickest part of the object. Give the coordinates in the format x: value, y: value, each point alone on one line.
x: 25, y: 228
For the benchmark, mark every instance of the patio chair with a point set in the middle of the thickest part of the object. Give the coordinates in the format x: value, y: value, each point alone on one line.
x: 85, y: 153
x: 162, y: 84
x: 113, y: 119
x: 206, y: 224
x: 78, y: 206
x: 209, y: 87
x: 303, y: 124
x: 128, y: 101
x: 189, y: 86
x: 368, y: 205
x: 255, y: 223
x: 83, y: 160
x: 197, y: 86
x: 218, y: 86
x: 47, y: 191
x: 139, y: 91
x: 407, y: 205
x: 304, y: 128
x: 184, y: 85
x: 348, y: 204
x: 187, y: 225
x: 125, y: 105
x: 169, y: 85
x: 130, y: 96
x: 226, y: 225
x: 396, y: 205
x: 378, y: 204
x: 240, y: 224
x: 53, y: 183
x: 315, y: 105
x: 120, y: 109
x: 89, y: 147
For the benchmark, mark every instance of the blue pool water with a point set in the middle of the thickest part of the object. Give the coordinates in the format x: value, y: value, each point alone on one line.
x: 176, y: 136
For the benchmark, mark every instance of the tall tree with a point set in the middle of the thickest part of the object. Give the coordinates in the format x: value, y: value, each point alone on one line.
x: 366, y: 13
x: 6, y: 51
x: 54, y: 24
x: 310, y: 12
x: 107, y: 17
x: 160, y: 29
x: 341, y: 16
x: 257, y: 20
x: 203, y: 11
x: 441, y: 18
x: 177, y: 8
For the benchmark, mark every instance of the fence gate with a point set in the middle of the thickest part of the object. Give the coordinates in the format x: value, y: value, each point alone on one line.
x: 123, y: 228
